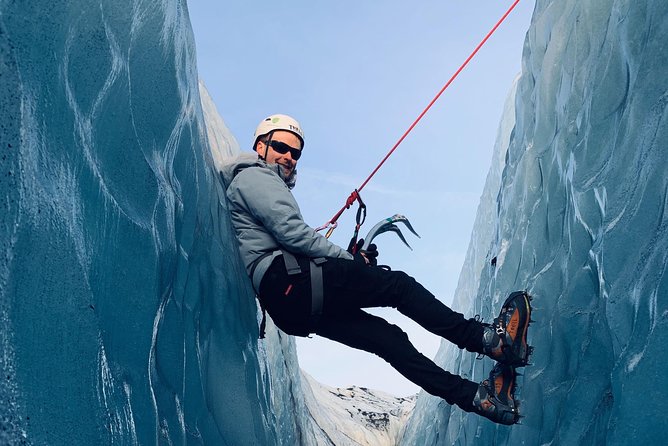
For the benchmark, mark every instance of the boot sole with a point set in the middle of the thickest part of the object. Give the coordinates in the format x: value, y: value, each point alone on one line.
x: 516, y: 349
x: 505, y: 385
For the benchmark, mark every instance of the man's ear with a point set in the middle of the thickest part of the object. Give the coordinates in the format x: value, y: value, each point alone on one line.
x: 261, y: 149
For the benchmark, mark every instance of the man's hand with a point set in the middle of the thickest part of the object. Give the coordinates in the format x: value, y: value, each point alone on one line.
x: 371, y: 254
x: 368, y: 256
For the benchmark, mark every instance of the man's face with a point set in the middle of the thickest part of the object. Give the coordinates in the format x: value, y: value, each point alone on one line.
x: 285, y: 160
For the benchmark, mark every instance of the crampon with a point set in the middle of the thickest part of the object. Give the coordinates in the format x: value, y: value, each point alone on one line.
x: 495, y: 398
x: 505, y: 340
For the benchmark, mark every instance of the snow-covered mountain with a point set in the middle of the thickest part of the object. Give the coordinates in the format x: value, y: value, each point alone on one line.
x: 358, y: 415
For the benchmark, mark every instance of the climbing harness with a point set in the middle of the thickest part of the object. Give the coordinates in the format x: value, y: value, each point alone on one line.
x: 292, y: 268
x: 315, y: 268
x: 355, y: 196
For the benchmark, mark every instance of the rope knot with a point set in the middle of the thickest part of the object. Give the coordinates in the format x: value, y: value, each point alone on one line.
x: 354, y: 196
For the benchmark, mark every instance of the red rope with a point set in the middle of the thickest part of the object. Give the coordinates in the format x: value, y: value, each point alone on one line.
x: 424, y: 112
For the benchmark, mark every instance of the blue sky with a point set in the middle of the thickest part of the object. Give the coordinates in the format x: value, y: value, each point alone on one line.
x: 356, y: 75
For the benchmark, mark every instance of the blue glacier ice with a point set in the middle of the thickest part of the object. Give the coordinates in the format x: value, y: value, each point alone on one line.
x: 576, y: 214
x: 125, y: 313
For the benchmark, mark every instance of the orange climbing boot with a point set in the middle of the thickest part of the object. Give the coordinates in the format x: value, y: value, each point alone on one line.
x: 495, y: 398
x: 506, y: 339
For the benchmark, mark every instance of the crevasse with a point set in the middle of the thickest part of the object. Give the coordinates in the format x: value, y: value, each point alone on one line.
x: 126, y: 316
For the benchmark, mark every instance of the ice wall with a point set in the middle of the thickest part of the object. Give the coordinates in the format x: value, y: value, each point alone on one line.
x: 580, y: 221
x: 124, y: 314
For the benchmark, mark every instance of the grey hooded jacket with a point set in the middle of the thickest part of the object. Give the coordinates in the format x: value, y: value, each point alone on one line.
x: 266, y: 216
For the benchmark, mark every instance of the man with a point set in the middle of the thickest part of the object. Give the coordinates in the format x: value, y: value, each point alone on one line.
x: 309, y: 285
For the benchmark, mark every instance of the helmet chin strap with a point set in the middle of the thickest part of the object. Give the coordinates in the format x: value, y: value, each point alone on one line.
x: 266, y: 147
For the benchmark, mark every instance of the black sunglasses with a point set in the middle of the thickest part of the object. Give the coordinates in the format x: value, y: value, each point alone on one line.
x: 283, y: 148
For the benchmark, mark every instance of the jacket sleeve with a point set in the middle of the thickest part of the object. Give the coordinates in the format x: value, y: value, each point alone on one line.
x: 270, y: 202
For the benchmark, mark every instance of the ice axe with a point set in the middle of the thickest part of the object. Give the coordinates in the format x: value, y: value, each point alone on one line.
x: 388, y: 225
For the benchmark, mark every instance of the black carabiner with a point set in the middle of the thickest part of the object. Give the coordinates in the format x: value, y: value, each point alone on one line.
x: 360, y: 217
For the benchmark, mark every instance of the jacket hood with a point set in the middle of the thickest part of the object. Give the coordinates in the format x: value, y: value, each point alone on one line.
x: 232, y: 167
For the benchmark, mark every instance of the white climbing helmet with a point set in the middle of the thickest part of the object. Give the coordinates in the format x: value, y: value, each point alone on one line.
x: 279, y: 122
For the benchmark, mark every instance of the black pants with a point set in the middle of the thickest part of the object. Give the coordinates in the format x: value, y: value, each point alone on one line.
x: 350, y: 286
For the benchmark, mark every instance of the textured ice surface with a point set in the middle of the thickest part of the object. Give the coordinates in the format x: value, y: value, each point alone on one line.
x: 580, y: 221
x: 124, y: 315
x: 222, y: 143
